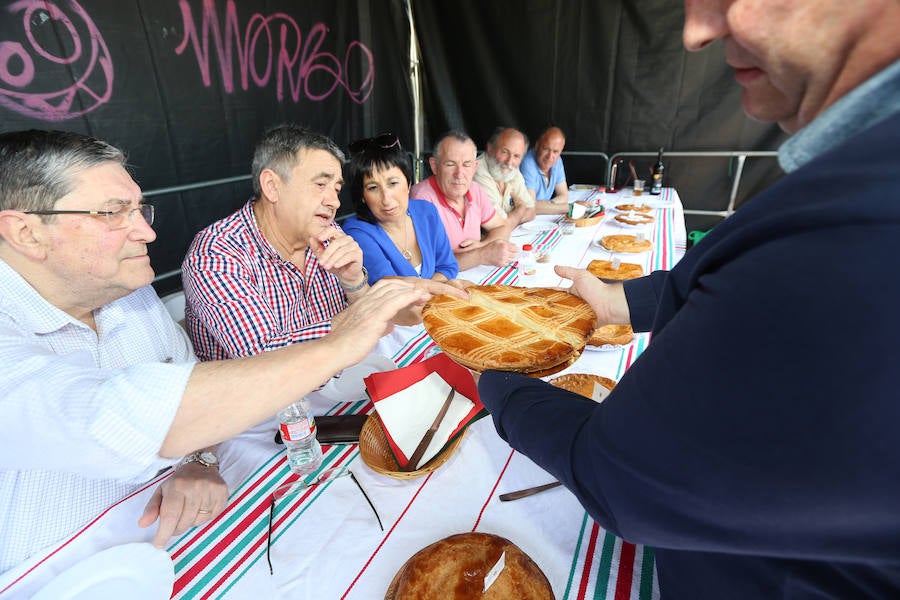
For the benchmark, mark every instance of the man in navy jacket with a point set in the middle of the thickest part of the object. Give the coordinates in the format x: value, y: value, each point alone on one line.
x: 752, y: 444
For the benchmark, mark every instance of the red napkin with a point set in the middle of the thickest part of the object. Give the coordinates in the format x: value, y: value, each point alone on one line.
x: 383, y: 385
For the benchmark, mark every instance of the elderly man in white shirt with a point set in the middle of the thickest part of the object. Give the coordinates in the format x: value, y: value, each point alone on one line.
x: 98, y: 386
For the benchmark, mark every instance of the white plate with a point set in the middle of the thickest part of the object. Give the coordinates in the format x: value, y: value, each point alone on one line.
x: 606, y: 347
x: 137, y: 571
x: 629, y: 225
x: 348, y: 385
x: 536, y: 226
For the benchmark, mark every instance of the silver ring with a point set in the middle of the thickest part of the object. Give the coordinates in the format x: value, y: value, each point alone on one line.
x: 203, y: 512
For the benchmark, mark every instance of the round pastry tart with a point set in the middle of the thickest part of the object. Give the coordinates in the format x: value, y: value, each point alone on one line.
x: 641, y: 208
x: 611, y: 335
x: 582, y: 383
x: 634, y: 219
x: 604, y: 270
x: 625, y: 243
x: 536, y: 331
x: 455, y: 568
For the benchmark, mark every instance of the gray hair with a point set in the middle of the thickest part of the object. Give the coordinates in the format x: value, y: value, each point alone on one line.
x: 453, y: 134
x: 280, y: 147
x: 499, y: 131
x: 38, y: 167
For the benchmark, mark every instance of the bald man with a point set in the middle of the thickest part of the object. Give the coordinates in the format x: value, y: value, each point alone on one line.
x: 545, y: 175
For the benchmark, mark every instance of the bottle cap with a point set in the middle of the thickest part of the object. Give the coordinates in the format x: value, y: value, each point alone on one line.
x: 527, y: 247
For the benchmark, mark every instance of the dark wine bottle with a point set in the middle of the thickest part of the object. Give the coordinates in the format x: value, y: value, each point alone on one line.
x: 658, y: 170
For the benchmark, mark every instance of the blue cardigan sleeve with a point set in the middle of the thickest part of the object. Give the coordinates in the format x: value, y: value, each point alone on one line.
x: 444, y: 259
x: 377, y: 258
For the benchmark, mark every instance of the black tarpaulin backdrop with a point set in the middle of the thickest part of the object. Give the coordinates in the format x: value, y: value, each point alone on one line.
x: 186, y: 87
x: 613, y: 75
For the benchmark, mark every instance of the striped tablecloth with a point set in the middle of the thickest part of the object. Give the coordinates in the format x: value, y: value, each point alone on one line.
x: 326, y: 542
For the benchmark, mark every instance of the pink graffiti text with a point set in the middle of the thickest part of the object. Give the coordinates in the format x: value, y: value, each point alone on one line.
x: 274, y: 44
x: 79, y: 57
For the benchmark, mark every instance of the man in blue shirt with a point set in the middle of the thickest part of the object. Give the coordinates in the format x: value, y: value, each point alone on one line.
x: 545, y: 175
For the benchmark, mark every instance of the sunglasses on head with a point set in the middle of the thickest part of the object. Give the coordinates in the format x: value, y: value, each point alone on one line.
x: 382, y: 140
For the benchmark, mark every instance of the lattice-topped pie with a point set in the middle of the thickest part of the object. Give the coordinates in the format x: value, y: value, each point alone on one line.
x: 537, y: 331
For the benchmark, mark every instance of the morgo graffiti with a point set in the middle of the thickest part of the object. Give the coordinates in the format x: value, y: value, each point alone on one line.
x: 61, y: 68
x: 58, y: 66
x: 273, y: 47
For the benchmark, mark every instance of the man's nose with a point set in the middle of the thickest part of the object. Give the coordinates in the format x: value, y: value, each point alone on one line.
x: 141, y: 229
x: 704, y: 22
x: 332, y: 200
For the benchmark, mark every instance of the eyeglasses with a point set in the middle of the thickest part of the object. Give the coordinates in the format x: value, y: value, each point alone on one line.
x: 288, y: 489
x: 382, y: 140
x: 116, y: 219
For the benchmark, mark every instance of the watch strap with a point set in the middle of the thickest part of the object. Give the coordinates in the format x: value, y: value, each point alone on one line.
x: 198, y: 458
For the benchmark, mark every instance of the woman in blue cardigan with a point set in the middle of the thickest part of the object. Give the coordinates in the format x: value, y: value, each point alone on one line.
x: 398, y: 236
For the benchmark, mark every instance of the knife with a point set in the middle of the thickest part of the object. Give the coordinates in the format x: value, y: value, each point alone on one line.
x: 528, y: 491
x: 426, y: 439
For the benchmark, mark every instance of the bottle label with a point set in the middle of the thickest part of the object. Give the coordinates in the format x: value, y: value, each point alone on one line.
x: 292, y: 432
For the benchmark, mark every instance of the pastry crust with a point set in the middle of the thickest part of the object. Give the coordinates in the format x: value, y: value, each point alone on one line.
x: 604, y: 270
x: 507, y: 328
x: 635, y: 219
x: 641, y: 208
x: 454, y: 569
x: 614, y: 335
x: 624, y: 243
x: 582, y: 383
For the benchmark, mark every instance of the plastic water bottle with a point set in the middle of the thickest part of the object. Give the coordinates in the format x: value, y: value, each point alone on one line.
x: 527, y: 261
x: 298, y: 432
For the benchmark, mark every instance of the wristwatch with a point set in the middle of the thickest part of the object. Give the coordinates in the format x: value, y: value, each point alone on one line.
x: 207, y: 459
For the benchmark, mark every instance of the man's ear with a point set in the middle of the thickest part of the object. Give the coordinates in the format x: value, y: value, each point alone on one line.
x: 432, y: 162
x: 22, y: 233
x: 269, y: 184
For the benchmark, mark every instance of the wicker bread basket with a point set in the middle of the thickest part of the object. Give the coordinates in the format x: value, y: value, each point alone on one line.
x: 376, y: 453
x: 586, y: 221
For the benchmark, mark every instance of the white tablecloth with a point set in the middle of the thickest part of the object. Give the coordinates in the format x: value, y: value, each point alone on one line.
x: 327, y: 543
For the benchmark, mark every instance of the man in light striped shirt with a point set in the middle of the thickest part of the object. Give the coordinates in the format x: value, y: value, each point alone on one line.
x: 99, y: 388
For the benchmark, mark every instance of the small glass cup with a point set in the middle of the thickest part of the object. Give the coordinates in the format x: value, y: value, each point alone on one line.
x: 638, y: 187
x: 567, y: 228
x: 542, y: 253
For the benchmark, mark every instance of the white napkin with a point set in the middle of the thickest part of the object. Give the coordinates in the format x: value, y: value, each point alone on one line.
x: 409, y: 413
x: 576, y: 211
x: 600, y: 393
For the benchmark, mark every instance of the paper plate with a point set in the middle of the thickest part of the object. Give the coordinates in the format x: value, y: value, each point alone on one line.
x: 138, y: 571
x: 536, y: 226
x: 348, y: 385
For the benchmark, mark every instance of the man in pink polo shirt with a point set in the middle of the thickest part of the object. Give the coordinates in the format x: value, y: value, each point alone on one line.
x: 463, y: 206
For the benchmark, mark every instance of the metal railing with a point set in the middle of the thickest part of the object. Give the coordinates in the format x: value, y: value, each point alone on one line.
x: 740, y: 155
